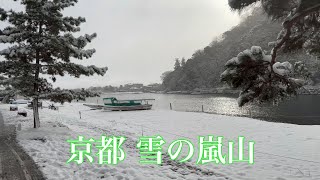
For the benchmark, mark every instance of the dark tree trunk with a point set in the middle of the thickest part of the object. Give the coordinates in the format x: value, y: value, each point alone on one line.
x: 36, y: 87
x: 36, y: 99
x: 36, y: 120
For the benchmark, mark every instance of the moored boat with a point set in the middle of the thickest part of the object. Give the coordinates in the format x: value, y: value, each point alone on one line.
x: 113, y: 104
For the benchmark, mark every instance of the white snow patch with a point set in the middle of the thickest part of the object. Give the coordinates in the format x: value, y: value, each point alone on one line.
x: 283, y: 69
x: 275, y: 143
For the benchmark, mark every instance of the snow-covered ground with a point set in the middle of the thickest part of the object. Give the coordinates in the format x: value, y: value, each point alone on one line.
x: 282, y: 151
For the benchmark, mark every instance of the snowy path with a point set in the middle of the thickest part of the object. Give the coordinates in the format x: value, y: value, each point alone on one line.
x: 14, y: 163
x: 10, y: 168
x: 282, y: 151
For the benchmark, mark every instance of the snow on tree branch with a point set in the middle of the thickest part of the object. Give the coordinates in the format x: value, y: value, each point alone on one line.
x: 251, y: 72
x: 75, y: 70
x: 64, y: 95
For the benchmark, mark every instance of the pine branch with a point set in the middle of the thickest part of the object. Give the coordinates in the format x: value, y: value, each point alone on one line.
x: 3, y: 14
x: 240, y: 4
x: 74, y: 69
x: 288, y: 24
x: 65, y: 95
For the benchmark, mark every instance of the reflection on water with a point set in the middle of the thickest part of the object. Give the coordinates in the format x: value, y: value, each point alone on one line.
x: 304, y: 109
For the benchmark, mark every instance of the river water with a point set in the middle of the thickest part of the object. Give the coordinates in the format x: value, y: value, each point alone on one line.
x: 302, y: 110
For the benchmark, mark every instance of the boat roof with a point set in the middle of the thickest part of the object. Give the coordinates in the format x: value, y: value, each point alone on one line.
x: 130, y: 99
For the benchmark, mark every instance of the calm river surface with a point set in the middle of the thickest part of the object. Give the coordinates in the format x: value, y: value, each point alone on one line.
x: 303, y: 110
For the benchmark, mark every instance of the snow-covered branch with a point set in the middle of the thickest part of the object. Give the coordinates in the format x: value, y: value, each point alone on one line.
x: 75, y: 70
x: 287, y: 25
x: 251, y: 72
x: 65, y: 95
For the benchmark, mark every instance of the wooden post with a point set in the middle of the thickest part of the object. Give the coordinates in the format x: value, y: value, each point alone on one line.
x: 202, y: 109
x: 80, y: 114
x: 142, y: 130
x: 170, y: 106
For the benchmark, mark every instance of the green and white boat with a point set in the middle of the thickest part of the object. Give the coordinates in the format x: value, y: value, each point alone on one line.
x: 113, y: 104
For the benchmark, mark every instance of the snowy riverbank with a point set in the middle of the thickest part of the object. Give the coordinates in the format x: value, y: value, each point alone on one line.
x: 282, y: 151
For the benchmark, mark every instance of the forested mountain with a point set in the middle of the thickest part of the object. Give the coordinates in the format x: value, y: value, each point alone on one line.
x: 203, y: 69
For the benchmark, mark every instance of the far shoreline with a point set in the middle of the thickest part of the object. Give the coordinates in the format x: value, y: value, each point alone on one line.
x: 215, y: 91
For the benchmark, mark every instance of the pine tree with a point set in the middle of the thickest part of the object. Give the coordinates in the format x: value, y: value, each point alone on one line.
x: 177, y: 64
x: 257, y: 73
x: 42, y: 45
x: 183, y: 62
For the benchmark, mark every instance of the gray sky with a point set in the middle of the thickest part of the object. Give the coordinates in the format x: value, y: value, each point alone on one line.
x: 139, y: 39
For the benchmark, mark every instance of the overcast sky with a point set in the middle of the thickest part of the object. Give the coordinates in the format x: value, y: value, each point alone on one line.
x: 139, y: 39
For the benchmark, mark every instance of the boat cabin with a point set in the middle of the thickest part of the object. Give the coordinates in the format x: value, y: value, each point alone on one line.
x: 112, y: 101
